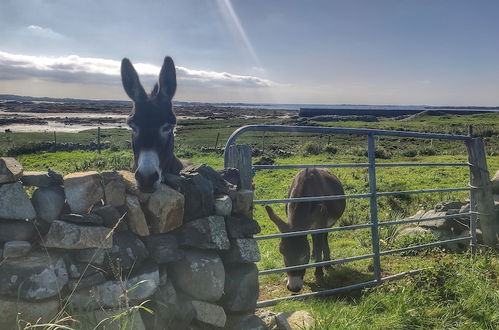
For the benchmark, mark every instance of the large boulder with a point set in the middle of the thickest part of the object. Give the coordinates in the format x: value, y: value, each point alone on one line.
x: 199, y: 196
x: 135, y: 217
x: 200, y: 274
x: 241, y: 226
x: 16, y: 313
x: 83, y: 190
x: 241, y: 288
x: 48, y: 202
x: 219, y: 184
x: 132, y: 187
x: 65, y: 235
x: 127, y: 251
x: 10, y: 170
x: 16, y: 230
x: 204, y: 233
x: 34, y: 277
x: 242, y: 250
x: 165, y: 209
x: 209, y: 313
x: 37, y: 179
x: 15, y: 203
x: 16, y: 249
x: 163, y: 248
x: 295, y: 320
x: 114, y: 188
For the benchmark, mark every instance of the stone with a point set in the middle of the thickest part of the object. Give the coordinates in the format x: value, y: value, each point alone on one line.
x: 447, y: 205
x: 83, y: 190
x: 10, y: 170
x: 200, y: 274
x: 135, y: 217
x: 83, y: 219
x: 242, y: 202
x: 165, y: 209
x: 114, y: 188
x: 409, y: 231
x: 48, y: 202
x: 209, y: 313
x: 164, y: 305
x: 86, y: 281
x: 15, y: 203
x: 241, y: 288
x: 139, y: 287
x: 204, y: 233
x: 241, y: 226
x: 34, y: 277
x: 36, y: 178
x: 295, y: 320
x: 172, y: 180
x: 16, y: 230
x: 268, y: 317
x: 131, y: 186
x: 16, y: 249
x: 111, y: 319
x: 456, y: 225
x: 64, y: 235
x: 495, y: 183
x: 245, y: 322
x: 93, y: 256
x: 242, y: 250
x: 231, y: 175
x: 109, y: 214
x: 219, y: 184
x: 78, y: 270
x: 223, y: 205
x: 199, y: 197
x: 15, y: 310
x: 163, y: 248
x: 127, y: 251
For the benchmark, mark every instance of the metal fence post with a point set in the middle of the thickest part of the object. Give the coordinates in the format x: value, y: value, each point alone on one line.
x: 239, y: 156
x: 482, y: 191
x: 371, y: 154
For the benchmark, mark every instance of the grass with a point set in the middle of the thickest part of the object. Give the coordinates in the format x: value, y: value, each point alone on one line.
x: 456, y: 291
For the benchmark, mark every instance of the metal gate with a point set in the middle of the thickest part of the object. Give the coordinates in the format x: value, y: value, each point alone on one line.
x: 239, y: 156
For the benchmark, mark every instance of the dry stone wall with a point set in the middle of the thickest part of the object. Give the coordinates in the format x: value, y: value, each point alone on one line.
x: 93, y: 245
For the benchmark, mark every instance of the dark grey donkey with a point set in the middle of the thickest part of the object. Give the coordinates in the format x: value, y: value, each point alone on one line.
x: 308, y: 215
x: 152, y: 121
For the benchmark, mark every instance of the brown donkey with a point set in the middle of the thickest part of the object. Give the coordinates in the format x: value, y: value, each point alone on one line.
x: 152, y: 121
x: 305, y: 216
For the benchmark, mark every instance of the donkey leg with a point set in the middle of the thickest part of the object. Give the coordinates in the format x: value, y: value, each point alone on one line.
x: 326, y: 251
x: 317, y: 242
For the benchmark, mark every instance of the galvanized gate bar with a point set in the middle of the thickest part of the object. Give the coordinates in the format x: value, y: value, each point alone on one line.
x: 312, y: 232
x: 284, y: 166
x: 424, y: 246
x: 403, y: 221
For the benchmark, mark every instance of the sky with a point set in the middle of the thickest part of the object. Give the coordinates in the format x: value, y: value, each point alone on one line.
x: 436, y: 52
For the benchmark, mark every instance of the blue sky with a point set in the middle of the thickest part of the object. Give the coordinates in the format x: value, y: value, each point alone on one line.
x: 362, y: 52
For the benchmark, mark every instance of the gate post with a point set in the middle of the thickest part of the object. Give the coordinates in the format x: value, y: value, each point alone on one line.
x: 481, y: 190
x: 373, y: 205
x: 239, y: 156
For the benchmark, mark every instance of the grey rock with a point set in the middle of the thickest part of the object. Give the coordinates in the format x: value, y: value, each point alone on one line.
x: 223, y: 205
x: 131, y: 186
x: 17, y: 230
x: 78, y: 270
x: 209, y: 313
x: 163, y: 248
x: 86, y: 281
x: 241, y: 288
x: 242, y: 227
x: 242, y: 250
x: 165, y: 209
x: 295, y: 320
x: 245, y: 322
x: 200, y: 274
x: 219, y: 184
x: 92, y: 256
x: 10, y: 170
x: 135, y: 217
x: 113, y: 294
x: 109, y: 214
x: 127, y: 251
x: 164, y: 304
x: 204, y: 233
x: 199, y: 197
x: 34, y: 277
x: 231, y: 175
x: 447, y: 205
x: 48, y: 202
x: 64, y: 235
x: 15, y: 203
x: 456, y: 225
x: 242, y: 202
x: 410, y: 231
x: 114, y: 188
x: 83, y: 219
x: 111, y: 319
x: 14, y: 309
x: 36, y: 178
x: 16, y: 249
x: 268, y: 317
x: 83, y: 190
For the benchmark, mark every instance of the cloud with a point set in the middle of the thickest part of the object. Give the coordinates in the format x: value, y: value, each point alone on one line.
x: 74, y: 68
x: 46, y: 32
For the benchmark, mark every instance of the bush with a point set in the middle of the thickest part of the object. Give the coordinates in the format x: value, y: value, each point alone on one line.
x: 312, y: 148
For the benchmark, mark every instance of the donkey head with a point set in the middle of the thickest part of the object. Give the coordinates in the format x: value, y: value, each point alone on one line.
x: 152, y: 121
x: 295, y: 251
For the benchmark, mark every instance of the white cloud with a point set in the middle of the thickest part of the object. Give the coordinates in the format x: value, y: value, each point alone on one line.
x: 74, y: 68
x: 43, y: 32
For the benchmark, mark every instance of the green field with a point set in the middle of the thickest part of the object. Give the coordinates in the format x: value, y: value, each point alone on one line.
x: 456, y: 290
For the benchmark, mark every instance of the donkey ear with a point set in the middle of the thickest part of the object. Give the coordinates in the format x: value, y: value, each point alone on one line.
x: 167, y: 80
x: 131, y: 82
x: 281, y: 225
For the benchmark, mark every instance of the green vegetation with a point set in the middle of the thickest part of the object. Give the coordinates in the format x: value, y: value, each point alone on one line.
x: 456, y: 290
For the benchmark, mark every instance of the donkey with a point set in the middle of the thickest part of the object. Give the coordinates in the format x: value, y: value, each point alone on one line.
x: 152, y: 121
x: 305, y: 216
